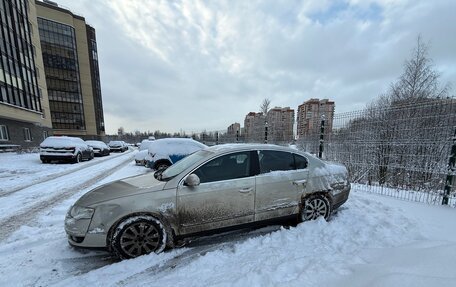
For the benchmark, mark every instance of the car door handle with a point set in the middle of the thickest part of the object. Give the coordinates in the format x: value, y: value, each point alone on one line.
x: 300, y: 182
x: 246, y: 190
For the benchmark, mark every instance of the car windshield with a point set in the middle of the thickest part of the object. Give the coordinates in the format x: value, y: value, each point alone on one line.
x: 183, y: 164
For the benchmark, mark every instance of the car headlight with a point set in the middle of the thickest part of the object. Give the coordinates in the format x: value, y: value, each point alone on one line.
x: 79, y: 212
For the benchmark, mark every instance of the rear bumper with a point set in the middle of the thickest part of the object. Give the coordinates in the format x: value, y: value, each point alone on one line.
x: 339, y: 197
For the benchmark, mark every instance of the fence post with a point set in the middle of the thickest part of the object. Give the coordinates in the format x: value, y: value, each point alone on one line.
x: 204, y: 138
x: 216, y: 138
x: 266, y: 132
x: 237, y: 136
x: 322, y: 133
x: 451, y: 172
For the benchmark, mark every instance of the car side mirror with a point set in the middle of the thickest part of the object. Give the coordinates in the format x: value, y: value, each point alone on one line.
x: 192, y: 180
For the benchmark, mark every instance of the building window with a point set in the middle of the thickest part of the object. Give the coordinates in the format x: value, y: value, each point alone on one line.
x: 45, y: 134
x: 3, y: 133
x: 27, y: 135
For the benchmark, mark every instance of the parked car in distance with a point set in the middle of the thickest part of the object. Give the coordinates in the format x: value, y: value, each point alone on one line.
x: 119, y: 146
x: 212, y: 190
x: 99, y: 147
x: 140, y: 157
x: 162, y: 153
x: 62, y: 148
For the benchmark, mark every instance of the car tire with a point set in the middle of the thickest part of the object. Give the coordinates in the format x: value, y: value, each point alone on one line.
x: 45, y: 161
x: 78, y: 158
x: 92, y: 155
x: 314, y: 206
x: 138, y: 235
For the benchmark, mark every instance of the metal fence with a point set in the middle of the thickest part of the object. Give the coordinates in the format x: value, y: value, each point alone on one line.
x: 402, y: 150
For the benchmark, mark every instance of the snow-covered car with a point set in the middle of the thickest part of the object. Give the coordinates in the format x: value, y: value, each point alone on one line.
x: 163, y: 153
x: 140, y: 157
x: 119, y: 146
x: 211, y: 190
x: 62, y: 148
x: 99, y: 147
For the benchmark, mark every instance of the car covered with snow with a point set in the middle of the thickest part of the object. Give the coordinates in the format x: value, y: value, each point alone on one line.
x: 117, y: 146
x: 162, y: 153
x: 62, y: 148
x: 214, y: 189
x: 99, y: 147
x: 140, y: 156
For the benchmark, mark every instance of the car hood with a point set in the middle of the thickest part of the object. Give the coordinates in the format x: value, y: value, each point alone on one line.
x: 121, y: 188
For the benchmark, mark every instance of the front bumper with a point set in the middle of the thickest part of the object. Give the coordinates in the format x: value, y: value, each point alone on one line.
x: 49, y: 156
x: 81, y: 234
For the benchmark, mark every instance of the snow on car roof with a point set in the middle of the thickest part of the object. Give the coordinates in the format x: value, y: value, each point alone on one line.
x: 96, y: 143
x: 229, y: 147
x: 61, y: 141
x: 178, y: 146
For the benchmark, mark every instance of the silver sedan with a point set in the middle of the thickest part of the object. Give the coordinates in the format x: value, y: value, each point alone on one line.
x: 209, y: 191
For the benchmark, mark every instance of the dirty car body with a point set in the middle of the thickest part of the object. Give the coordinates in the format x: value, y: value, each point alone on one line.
x: 220, y: 187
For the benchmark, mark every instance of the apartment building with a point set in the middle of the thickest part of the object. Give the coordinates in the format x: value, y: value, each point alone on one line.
x: 25, y: 118
x: 310, y: 114
x: 254, y: 127
x: 280, y: 124
x: 69, y: 53
x: 49, y: 74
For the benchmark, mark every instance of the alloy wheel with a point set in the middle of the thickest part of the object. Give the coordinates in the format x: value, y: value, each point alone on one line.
x: 139, y: 238
x: 314, y: 208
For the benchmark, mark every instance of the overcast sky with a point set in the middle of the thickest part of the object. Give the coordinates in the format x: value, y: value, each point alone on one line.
x: 202, y: 65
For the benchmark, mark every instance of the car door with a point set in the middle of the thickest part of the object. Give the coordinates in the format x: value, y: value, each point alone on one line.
x: 282, y: 179
x: 224, y: 197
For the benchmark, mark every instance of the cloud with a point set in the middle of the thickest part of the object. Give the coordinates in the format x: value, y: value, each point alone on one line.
x: 195, y: 65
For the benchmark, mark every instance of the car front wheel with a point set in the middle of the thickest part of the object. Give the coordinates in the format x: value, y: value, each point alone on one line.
x: 314, y: 206
x: 138, y: 235
x: 162, y: 166
x: 78, y: 158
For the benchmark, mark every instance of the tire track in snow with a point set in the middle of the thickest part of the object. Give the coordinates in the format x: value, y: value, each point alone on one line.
x: 197, y: 248
x: 60, y: 174
x: 14, y: 222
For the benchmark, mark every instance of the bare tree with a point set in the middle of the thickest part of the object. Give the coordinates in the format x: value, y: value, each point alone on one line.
x: 419, y: 79
x: 264, y: 108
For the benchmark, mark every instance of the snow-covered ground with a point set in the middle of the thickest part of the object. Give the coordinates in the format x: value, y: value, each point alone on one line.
x: 371, y: 241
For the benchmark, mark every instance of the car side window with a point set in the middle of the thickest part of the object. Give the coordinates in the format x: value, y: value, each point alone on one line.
x: 300, y: 161
x: 275, y: 160
x: 231, y: 166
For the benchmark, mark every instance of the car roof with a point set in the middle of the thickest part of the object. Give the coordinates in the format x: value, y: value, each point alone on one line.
x: 241, y: 147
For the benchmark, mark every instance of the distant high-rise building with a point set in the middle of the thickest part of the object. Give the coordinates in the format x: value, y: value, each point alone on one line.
x: 234, y: 128
x: 254, y: 127
x: 310, y: 114
x: 25, y: 119
x: 280, y: 124
x: 69, y: 52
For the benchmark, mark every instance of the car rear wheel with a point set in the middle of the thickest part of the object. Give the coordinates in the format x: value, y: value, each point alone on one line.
x: 314, y: 206
x: 138, y: 235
